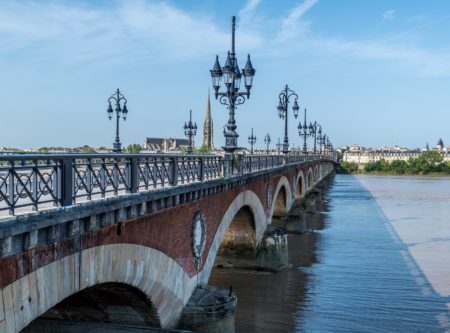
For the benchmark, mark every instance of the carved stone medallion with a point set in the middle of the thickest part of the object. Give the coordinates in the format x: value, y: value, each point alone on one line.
x: 198, y: 235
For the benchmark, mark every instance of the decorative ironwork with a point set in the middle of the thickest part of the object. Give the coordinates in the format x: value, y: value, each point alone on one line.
x: 304, y: 131
x: 190, y: 130
x: 44, y: 181
x: 117, y: 97
x: 267, y: 141
x: 251, y: 141
x: 282, y: 108
x: 232, y: 97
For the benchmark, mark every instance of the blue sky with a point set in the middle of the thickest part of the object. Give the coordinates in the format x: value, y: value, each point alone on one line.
x: 374, y: 73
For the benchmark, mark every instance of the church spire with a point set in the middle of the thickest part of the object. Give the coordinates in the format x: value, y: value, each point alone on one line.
x: 208, y: 126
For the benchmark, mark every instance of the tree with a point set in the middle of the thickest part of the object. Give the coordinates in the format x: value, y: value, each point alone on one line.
x: 348, y: 167
x: 133, y: 148
x: 204, y: 149
x: 427, y: 162
x: 43, y: 150
x: 398, y: 167
x: 86, y: 149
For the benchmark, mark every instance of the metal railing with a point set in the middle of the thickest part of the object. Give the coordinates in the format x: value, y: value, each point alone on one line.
x: 252, y: 163
x: 41, y: 181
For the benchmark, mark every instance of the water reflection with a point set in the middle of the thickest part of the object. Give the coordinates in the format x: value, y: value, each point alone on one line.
x: 347, y: 275
x: 269, y: 302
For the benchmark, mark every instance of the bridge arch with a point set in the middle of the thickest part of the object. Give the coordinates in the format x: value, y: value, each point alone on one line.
x: 247, y: 202
x: 282, y: 202
x: 301, y: 188
x: 152, y: 272
x: 118, y: 303
x: 310, y: 178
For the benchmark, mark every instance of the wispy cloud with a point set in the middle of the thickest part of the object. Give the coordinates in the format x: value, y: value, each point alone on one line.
x: 135, y: 31
x: 247, y: 12
x: 291, y: 25
x: 389, y: 15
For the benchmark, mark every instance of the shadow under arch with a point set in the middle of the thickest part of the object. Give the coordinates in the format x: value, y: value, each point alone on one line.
x: 300, y: 189
x: 155, y: 274
x: 282, y: 202
x: 109, y: 302
x: 245, y: 206
x: 310, y: 179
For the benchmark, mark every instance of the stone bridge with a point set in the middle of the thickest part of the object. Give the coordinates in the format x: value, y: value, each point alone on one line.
x: 128, y: 238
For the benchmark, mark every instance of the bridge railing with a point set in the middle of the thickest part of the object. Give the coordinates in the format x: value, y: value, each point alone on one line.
x: 252, y: 163
x: 41, y: 181
x: 45, y: 181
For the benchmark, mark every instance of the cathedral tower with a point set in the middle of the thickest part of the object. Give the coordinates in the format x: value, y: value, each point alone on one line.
x: 208, y: 131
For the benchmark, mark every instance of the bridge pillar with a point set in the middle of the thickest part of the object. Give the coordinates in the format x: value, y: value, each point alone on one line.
x: 270, y: 254
x: 209, y: 310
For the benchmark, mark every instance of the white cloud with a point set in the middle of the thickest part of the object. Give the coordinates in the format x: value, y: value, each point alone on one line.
x: 389, y: 15
x: 291, y: 25
x: 246, y: 13
x: 130, y: 31
x: 136, y: 32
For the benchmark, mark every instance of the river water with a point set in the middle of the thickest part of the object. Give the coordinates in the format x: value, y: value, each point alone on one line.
x: 377, y: 260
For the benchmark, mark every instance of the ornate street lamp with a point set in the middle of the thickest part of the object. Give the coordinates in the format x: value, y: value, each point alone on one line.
x: 279, y: 145
x: 316, y: 131
x: 232, y: 97
x: 267, y: 142
x: 120, y: 111
x: 322, y: 141
x: 284, y: 99
x: 304, y: 131
x: 190, y: 130
x: 251, y: 141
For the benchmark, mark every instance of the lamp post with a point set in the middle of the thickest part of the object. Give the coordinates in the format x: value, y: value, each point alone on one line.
x: 316, y: 131
x: 267, y: 142
x: 190, y: 130
x: 282, y: 108
x: 279, y: 145
x: 304, y: 131
x: 232, y: 97
x: 251, y: 141
x: 322, y: 141
x: 117, y: 97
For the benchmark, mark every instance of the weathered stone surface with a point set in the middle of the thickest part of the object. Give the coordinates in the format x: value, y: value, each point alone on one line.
x: 8, y: 302
x: 2, y: 311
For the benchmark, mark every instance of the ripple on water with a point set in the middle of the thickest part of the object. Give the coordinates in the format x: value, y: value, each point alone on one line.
x: 352, y: 275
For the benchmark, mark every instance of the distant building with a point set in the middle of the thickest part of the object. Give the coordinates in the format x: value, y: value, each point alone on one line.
x: 361, y: 155
x: 208, y: 130
x: 440, y: 145
x: 165, y: 144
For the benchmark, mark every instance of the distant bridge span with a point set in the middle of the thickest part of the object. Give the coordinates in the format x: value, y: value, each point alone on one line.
x: 142, y: 227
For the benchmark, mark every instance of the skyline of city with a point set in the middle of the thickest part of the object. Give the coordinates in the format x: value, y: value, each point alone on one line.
x: 377, y: 81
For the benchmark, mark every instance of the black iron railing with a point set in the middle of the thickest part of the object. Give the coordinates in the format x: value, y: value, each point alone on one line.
x: 44, y: 181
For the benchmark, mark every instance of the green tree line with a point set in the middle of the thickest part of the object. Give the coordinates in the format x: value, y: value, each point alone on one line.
x: 429, y: 162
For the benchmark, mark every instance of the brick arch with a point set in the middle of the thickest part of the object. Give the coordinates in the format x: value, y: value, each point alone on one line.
x: 283, y: 186
x: 301, y: 187
x: 152, y: 272
x: 247, y: 198
x: 316, y: 175
x: 310, y: 181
